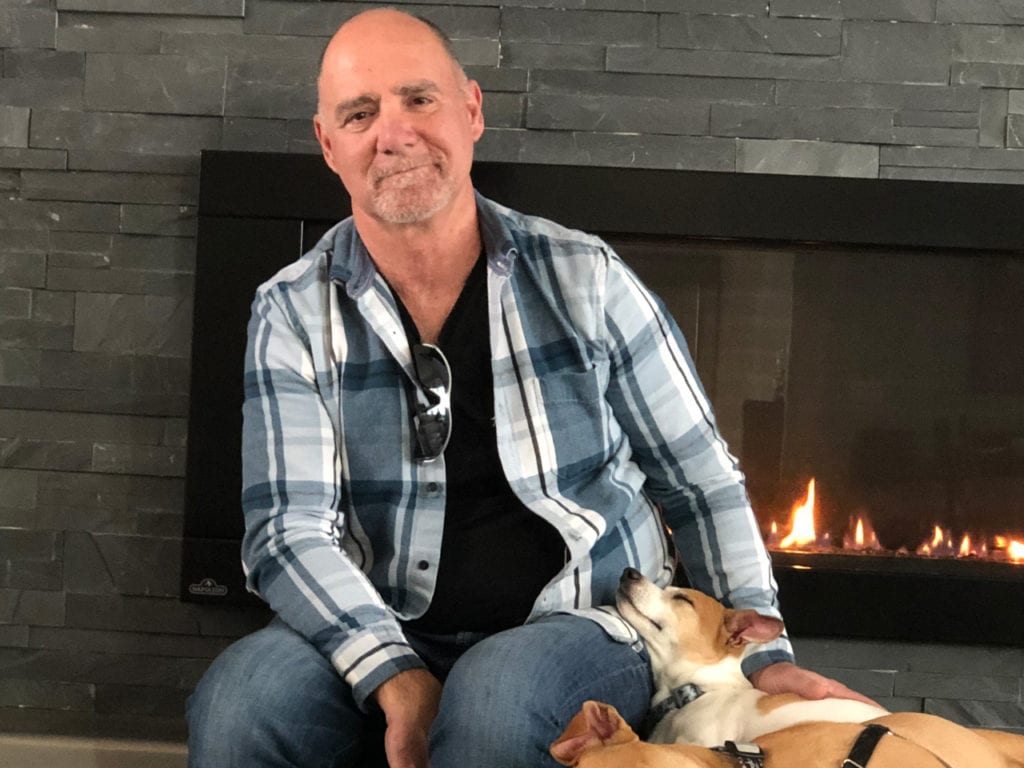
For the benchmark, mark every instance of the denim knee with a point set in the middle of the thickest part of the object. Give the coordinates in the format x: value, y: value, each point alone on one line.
x: 271, y: 699
x: 510, y: 696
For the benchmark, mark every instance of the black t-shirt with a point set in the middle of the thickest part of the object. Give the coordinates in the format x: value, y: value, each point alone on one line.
x: 496, y: 555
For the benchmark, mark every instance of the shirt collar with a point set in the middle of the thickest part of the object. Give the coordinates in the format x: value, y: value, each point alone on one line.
x: 351, y: 265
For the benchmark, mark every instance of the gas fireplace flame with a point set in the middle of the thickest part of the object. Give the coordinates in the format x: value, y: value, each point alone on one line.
x: 860, y: 536
x: 801, y: 531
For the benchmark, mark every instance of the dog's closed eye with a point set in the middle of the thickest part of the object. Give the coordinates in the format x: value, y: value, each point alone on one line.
x: 681, y: 596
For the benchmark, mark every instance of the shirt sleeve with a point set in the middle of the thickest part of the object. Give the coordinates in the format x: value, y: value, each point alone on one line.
x: 660, y: 403
x: 291, y: 497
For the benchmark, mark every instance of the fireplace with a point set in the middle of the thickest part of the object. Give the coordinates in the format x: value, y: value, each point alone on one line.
x: 861, y: 341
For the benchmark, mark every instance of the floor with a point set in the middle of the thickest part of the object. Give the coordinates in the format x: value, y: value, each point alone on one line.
x: 39, y: 751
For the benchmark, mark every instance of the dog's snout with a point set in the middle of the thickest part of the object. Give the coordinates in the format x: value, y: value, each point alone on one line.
x: 630, y: 574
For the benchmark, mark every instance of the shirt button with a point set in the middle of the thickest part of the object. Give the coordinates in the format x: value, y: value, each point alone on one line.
x: 423, y: 565
x: 433, y: 487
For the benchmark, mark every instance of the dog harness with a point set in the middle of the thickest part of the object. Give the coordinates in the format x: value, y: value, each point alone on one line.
x: 751, y: 755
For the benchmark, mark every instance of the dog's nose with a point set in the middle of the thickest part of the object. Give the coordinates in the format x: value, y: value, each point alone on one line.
x: 630, y: 574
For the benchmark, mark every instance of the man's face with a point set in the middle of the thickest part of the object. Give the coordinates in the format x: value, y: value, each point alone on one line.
x: 397, y: 120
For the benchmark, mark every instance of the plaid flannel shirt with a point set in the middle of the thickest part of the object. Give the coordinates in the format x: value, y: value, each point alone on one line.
x: 601, y: 422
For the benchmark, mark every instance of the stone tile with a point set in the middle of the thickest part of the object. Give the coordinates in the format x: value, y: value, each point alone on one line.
x: 617, y: 151
x: 235, y: 8
x: 125, y: 642
x: 958, y: 686
x: 169, y: 254
x: 983, y: 714
x: 962, y: 175
x: 104, y: 402
x: 1015, y: 102
x: 934, y: 157
x: 935, y: 137
x: 19, y: 368
x: 25, y: 240
x: 696, y: 89
x: 126, y: 522
x: 878, y: 96
x: 239, y: 46
x: 540, y: 25
x: 34, y: 63
x: 255, y: 134
x: 460, y: 22
x: 28, y: 453
x: 38, y: 93
x: 53, y: 307
x: 24, y: 270
x: 1015, y: 131
x: 148, y: 325
x: 91, y: 186
x: 991, y: 44
x: 58, y: 215
x: 80, y: 427
x: 504, y: 78
x: 720, y: 63
x: 20, y: 157
x: 115, y: 564
x: 84, y: 370
x: 169, y: 220
x: 121, y: 281
x: 610, y: 114
x: 108, y: 492
x: 46, y: 694
x: 146, y: 701
x: 552, y: 56
x: 478, y: 51
x: 987, y: 75
x: 901, y: 703
x: 870, y: 682
x: 839, y: 125
x: 36, y: 608
x: 896, y: 53
x: 13, y: 126
x: 20, y: 488
x: 28, y: 334
x: 271, y: 88
x: 979, y: 12
x: 164, y: 84
x: 129, y: 162
x: 13, y: 637
x: 133, y: 614
x: 163, y: 461
x: 808, y: 37
x: 15, y: 302
x: 505, y: 110
x: 807, y: 158
x: 33, y: 574
x: 930, y: 119
x: 31, y: 545
x: 147, y: 134
x: 880, y: 10
x: 99, y: 668
x: 724, y: 7
x: 26, y: 27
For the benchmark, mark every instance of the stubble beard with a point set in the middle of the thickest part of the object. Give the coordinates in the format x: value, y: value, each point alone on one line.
x: 411, y: 191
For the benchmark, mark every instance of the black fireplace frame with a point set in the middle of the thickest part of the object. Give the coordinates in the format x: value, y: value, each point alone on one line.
x: 256, y: 209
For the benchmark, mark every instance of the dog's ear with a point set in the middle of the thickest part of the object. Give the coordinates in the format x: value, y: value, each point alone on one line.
x: 596, y: 724
x: 742, y: 627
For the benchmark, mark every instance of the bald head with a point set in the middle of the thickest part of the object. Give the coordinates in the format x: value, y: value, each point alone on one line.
x: 365, y: 26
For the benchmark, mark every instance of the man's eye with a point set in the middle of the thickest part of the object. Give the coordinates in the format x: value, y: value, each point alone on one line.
x: 356, y: 117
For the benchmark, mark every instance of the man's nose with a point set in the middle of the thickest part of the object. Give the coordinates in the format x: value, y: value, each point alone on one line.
x: 395, y: 130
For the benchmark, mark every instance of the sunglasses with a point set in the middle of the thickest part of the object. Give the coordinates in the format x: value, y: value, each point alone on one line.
x: 433, y: 415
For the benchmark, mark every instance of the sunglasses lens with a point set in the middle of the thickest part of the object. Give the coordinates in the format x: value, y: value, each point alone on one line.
x: 433, y: 417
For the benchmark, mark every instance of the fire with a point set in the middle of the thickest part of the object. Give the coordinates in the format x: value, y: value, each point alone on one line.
x: 861, y: 537
x: 801, y: 531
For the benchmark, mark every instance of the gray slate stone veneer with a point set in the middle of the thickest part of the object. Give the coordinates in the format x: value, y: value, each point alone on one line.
x: 105, y: 106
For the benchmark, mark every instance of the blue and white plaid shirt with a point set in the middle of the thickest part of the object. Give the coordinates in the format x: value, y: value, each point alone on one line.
x: 600, y: 421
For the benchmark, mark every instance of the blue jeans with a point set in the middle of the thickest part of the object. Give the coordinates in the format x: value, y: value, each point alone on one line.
x: 272, y: 700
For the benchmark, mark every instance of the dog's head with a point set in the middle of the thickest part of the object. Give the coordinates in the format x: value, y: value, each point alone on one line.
x: 689, y: 634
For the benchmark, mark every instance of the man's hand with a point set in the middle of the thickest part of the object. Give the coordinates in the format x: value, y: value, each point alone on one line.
x: 784, y: 677
x: 409, y: 700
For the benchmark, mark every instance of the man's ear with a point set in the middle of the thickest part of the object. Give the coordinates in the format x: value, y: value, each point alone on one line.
x: 742, y: 627
x: 475, y: 105
x: 325, y: 142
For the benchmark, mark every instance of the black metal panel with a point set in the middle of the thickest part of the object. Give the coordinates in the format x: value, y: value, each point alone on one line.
x: 258, y: 211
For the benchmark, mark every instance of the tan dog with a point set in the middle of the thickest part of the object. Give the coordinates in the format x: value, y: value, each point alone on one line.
x: 694, y: 640
x: 598, y: 737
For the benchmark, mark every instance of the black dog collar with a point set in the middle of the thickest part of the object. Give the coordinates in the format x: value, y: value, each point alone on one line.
x: 865, y: 745
x: 677, y: 699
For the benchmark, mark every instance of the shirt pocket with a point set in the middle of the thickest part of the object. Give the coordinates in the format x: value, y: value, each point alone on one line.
x: 576, y: 413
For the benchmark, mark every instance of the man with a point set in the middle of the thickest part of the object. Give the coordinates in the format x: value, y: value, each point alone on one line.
x: 460, y: 425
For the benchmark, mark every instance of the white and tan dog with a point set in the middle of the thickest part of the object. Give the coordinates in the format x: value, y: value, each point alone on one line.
x: 695, y: 641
